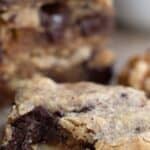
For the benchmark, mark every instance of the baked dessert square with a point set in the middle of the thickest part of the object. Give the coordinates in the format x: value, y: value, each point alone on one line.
x: 136, y: 73
x: 79, y: 116
x: 58, y: 21
x: 60, y: 39
x: 23, y: 58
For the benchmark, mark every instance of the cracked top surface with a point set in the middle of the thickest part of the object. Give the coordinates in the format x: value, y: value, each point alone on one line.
x: 89, y: 112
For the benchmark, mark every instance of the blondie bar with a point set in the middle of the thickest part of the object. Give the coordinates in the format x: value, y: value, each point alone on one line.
x: 79, y: 116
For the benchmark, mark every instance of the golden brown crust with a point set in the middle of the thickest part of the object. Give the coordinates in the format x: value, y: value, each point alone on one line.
x: 136, y: 73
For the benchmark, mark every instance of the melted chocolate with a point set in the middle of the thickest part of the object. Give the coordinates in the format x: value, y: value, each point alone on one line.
x: 54, y: 18
x: 38, y: 126
x: 100, y: 75
x: 94, y: 24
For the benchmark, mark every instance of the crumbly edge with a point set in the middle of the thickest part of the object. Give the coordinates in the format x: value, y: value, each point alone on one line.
x: 123, y: 143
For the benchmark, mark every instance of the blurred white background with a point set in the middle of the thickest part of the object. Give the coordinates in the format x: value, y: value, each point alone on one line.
x: 134, y: 13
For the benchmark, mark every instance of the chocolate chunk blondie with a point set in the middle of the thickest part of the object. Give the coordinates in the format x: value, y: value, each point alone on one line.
x: 79, y: 116
x: 23, y: 61
x: 137, y: 72
x: 59, y: 20
x: 55, y: 38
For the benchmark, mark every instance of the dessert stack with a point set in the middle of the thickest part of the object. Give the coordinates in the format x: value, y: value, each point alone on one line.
x: 65, y: 40
x: 61, y: 39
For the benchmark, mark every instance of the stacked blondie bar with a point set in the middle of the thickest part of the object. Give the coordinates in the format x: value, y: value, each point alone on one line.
x: 79, y: 116
x: 61, y: 39
x: 65, y: 40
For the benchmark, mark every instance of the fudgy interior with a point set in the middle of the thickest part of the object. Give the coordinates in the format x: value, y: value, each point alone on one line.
x: 38, y: 127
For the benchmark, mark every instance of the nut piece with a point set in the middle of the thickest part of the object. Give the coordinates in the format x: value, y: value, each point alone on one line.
x: 137, y: 72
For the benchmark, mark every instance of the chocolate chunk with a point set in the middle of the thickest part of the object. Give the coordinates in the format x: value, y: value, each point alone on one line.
x: 39, y: 126
x: 99, y: 75
x: 138, y: 130
x: 84, y: 109
x: 124, y: 95
x: 5, y: 4
x: 1, y: 53
x: 94, y: 24
x: 54, y: 18
x: 88, y: 146
x: 58, y: 114
x: 3, y: 148
x: 35, y: 127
